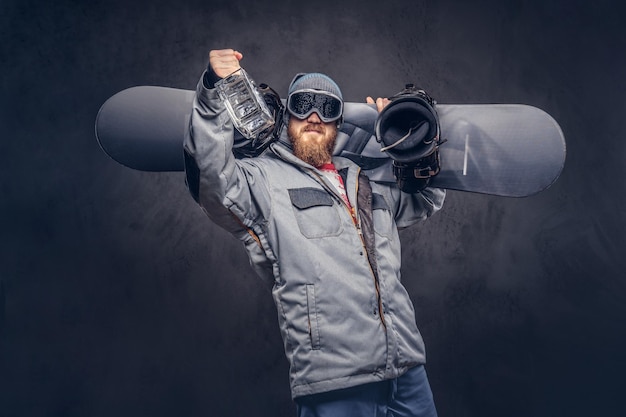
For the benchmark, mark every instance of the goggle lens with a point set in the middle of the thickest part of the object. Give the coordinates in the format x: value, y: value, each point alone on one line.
x: 302, y: 103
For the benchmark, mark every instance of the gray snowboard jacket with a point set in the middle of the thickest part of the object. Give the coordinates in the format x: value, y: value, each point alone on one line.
x: 344, y: 316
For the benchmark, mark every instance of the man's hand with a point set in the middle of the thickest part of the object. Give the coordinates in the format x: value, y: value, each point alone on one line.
x: 224, y: 61
x: 380, y: 102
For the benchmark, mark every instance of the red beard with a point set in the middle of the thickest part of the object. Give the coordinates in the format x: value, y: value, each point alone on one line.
x: 314, y: 151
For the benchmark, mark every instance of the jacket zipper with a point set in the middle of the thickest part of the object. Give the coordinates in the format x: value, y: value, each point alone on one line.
x: 381, y: 313
x: 353, y: 213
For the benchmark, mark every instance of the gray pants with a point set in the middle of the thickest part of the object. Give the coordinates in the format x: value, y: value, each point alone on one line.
x: 406, y: 396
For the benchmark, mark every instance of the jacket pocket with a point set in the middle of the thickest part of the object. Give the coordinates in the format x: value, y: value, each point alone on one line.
x: 315, y: 212
x: 314, y: 330
x: 381, y: 213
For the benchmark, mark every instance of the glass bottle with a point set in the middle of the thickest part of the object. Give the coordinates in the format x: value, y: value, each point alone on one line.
x: 245, y: 105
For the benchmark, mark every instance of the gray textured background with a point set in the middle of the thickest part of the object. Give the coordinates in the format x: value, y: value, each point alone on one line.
x: 118, y: 297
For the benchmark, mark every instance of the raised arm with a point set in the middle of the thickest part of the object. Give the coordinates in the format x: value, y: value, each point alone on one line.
x: 216, y: 180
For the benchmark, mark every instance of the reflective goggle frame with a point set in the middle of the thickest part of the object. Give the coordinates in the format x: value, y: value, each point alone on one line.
x: 302, y: 103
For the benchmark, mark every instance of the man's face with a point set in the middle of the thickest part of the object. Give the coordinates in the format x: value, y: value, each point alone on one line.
x: 313, y: 140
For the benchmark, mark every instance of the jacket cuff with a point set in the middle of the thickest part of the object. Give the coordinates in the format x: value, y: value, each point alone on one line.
x: 210, y: 78
x: 208, y: 96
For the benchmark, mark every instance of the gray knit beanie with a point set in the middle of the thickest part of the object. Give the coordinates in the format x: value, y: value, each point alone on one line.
x: 315, y: 81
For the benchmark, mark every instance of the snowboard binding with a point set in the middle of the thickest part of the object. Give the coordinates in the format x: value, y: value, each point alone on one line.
x: 409, y: 132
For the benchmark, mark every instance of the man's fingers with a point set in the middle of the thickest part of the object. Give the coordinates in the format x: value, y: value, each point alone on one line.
x: 381, y: 103
x: 224, y: 61
x: 225, y: 56
x: 222, y: 52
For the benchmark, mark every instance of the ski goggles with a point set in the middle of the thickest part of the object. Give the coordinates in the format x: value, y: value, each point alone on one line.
x: 302, y: 103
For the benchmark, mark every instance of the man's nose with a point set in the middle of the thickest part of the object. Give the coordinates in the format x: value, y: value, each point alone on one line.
x: 314, y: 118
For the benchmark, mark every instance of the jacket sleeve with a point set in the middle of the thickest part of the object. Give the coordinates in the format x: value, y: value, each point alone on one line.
x: 411, y: 208
x: 216, y: 180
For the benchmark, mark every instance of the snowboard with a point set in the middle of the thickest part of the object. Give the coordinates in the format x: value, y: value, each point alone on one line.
x: 511, y: 150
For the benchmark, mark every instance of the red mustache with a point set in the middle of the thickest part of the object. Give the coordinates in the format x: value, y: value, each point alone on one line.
x: 313, y: 128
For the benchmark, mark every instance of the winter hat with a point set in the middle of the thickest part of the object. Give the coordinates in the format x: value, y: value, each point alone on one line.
x: 315, y: 81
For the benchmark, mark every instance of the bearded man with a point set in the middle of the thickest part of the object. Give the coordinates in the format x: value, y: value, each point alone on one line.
x: 326, y: 239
